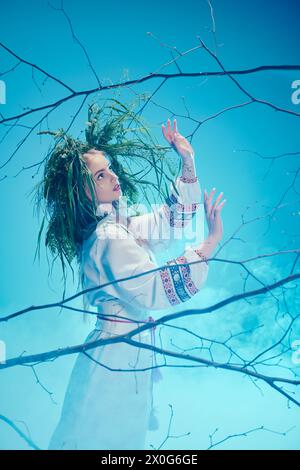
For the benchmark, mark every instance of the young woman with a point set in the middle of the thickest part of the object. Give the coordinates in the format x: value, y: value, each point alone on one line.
x: 108, y: 402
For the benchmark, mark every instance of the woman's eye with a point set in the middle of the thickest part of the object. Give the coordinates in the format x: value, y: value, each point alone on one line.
x: 101, y: 174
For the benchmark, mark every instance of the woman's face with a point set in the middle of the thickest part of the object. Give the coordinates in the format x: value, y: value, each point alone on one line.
x: 105, y: 179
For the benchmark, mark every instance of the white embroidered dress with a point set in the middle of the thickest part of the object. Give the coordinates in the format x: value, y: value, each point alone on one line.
x: 109, y: 397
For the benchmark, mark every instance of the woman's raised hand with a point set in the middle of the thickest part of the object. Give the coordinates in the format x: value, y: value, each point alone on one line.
x: 177, y: 141
x: 213, y: 217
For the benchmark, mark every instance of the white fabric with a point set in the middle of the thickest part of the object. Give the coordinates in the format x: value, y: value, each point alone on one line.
x: 154, y: 228
x: 106, y: 409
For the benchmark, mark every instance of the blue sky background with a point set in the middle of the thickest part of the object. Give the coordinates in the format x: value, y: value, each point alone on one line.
x: 249, y: 34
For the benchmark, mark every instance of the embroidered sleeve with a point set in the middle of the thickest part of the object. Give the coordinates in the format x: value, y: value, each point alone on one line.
x: 163, y: 225
x: 172, y: 284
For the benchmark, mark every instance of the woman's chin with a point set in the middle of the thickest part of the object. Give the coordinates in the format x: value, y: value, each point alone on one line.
x: 117, y: 194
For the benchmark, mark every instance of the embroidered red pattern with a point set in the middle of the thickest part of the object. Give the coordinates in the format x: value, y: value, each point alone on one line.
x: 168, y: 286
x: 186, y: 276
x: 186, y: 179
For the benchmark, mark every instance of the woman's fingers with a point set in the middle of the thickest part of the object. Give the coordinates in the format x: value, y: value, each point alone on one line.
x: 171, y: 133
x: 211, y: 195
x: 218, y: 209
x: 169, y: 126
x: 168, y: 134
x: 217, y: 206
x: 216, y: 201
x: 175, y: 126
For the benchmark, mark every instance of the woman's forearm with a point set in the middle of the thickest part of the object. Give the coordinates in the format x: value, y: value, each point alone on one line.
x: 207, y: 247
x: 188, y: 169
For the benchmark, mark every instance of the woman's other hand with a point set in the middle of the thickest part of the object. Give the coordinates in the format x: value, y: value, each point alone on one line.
x: 177, y: 141
x: 213, y: 215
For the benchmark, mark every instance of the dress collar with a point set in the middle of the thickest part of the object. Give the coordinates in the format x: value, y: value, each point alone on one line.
x: 104, y: 209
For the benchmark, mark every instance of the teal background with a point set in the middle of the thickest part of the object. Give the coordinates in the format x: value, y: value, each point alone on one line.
x: 249, y: 34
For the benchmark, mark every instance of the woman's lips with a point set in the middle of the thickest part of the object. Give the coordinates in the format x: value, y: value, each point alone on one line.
x: 117, y: 188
